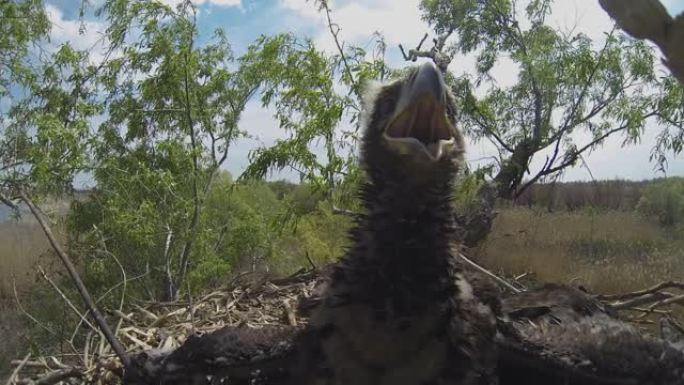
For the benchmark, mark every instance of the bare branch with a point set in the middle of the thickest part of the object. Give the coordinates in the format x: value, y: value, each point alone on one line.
x: 334, y: 31
x: 59, y: 376
x: 71, y: 269
x: 16, y: 371
x: 498, y: 279
x: 65, y: 298
x: 436, y: 53
x: 8, y: 202
x: 641, y: 301
x: 639, y: 293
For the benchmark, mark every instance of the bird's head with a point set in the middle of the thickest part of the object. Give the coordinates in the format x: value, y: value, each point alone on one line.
x: 410, y: 134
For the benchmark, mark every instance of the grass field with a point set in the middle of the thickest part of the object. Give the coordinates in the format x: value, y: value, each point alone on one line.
x: 606, y: 251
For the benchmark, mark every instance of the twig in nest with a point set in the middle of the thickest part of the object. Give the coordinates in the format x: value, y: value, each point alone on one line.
x: 16, y: 370
x: 498, y: 279
x: 641, y: 301
x: 291, y: 318
x: 676, y: 300
x: 639, y: 293
x: 59, y: 376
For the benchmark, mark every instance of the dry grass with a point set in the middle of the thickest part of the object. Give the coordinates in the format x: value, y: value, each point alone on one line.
x: 604, y: 251
x: 21, y: 245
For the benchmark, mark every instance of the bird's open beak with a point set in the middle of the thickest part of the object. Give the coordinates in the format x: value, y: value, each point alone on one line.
x: 420, y: 125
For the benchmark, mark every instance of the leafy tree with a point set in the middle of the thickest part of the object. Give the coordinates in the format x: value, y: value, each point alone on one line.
x: 173, y: 107
x: 46, y: 131
x: 34, y: 129
x: 566, y: 84
x: 22, y: 25
x: 664, y: 201
x: 317, y: 99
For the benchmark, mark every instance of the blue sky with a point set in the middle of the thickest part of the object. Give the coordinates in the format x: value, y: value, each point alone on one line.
x: 399, y: 21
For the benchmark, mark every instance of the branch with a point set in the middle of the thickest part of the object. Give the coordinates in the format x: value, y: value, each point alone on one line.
x: 334, y: 31
x: 573, y: 156
x: 16, y: 371
x: 639, y: 293
x: 71, y: 269
x: 59, y: 376
x: 441, y: 59
x: 65, y: 298
x: 8, y: 202
x: 185, y: 253
x: 578, y: 101
x: 498, y: 279
x: 640, y: 301
x: 411, y: 56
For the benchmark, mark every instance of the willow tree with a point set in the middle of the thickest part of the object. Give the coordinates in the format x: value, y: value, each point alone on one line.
x: 316, y: 97
x: 172, y: 107
x: 570, y: 94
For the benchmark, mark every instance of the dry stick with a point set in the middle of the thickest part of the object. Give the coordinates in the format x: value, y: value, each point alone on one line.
x: 639, y: 293
x: 23, y: 362
x: 99, y: 319
x: 65, y: 298
x: 676, y: 300
x: 59, y: 376
x: 105, y: 294
x: 642, y: 300
x: 489, y: 273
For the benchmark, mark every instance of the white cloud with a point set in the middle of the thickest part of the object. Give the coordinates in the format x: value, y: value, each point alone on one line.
x: 305, y: 8
x: 399, y: 22
x: 220, y: 3
x: 64, y: 30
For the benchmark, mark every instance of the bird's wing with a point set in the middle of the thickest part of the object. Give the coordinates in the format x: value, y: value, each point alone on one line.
x: 562, y: 334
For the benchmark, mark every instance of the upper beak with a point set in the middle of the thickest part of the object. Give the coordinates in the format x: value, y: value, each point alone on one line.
x: 419, y: 123
x: 427, y: 83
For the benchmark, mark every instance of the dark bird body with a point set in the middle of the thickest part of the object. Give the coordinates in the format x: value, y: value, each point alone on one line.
x: 561, y: 335
x: 399, y: 308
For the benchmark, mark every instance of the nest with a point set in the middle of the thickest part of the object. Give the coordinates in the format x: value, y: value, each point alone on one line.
x: 163, y: 327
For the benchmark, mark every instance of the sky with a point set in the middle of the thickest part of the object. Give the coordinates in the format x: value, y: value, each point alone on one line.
x: 400, y: 23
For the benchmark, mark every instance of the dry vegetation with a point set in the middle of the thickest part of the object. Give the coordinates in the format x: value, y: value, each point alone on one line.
x: 23, y: 246
x: 606, y: 251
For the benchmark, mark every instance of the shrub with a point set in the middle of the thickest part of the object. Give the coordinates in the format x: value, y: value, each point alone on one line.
x: 664, y: 201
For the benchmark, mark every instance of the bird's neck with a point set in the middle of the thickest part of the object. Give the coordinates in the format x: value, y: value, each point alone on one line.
x: 409, y: 228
